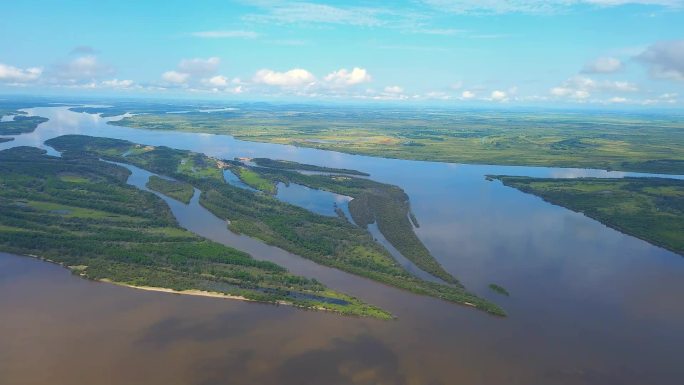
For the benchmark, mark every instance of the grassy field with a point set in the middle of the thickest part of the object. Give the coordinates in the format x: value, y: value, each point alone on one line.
x: 330, y: 241
x: 648, y: 208
x: 177, y: 190
x: 80, y: 213
x: 615, y: 141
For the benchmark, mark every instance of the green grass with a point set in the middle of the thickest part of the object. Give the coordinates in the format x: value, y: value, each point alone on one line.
x: 629, y: 142
x: 648, y: 208
x: 104, y: 229
x: 179, y: 191
x: 254, y: 180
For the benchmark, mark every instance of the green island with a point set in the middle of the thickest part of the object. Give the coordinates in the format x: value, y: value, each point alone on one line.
x: 3, y: 140
x: 80, y: 213
x: 629, y: 142
x: 651, y: 209
x: 21, y: 125
x: 330, y: 241
x: 177, y: 190
x: 289, y: 165
x: 253, y: 179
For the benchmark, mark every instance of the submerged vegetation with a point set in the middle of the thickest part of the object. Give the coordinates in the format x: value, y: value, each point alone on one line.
x: 330, y: 241
x: 79, y: 212
x: 177, y: 190
x: 498, y: 289
x: 648, y: 208
x: 630, y: 142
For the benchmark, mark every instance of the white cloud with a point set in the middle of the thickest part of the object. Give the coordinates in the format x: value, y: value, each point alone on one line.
x: 223, y: 34
x: 199, y: 66
x: 499, y: 96
x: 603, y: 65
x: 343, y: 77
x: 617, y: 99
x: 467, y: 95
x: 82, y: 68
x: 175, y: 77
x: 292, y: 78
x: 217, y: 81
x: 582, y: 87
x: 116, y: 83
x: 665, y: 59
x: 394, y: 90
x: 13, y: 74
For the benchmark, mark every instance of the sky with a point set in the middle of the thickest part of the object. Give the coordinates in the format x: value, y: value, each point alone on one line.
x: 454, y: 52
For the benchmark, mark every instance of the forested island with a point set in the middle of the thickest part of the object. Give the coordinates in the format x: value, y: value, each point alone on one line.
x: 79, y: 212
x: 648, y: 208
x: 177, y: 190
x: 330, y: 241
x: 629, y: 142
x: 21, y: 124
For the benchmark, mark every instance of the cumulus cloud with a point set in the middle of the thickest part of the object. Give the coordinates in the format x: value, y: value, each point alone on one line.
x: 81, y: 69
x: 499, y: 96
x: 11, y: 74
x: 119, y: 84
x: 467, y: 95
x: 603, y: 65
x: 223, y: 34
x: 665, y: 59
x: 582, y: 87
x: 175, y: 77
x: 196, y: 74
x: 343, y: 77
x: 293, y: 78
x: 217, y: 81
x: 199, y: 66
x: 394, y: 90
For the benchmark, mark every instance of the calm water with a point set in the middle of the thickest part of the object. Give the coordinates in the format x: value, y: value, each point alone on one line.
x: 588, y: 305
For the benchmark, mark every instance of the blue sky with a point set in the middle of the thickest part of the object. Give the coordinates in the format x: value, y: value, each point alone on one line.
x: 457, y: 52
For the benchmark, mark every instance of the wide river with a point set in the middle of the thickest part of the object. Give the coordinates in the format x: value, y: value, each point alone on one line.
x: 588, y: 304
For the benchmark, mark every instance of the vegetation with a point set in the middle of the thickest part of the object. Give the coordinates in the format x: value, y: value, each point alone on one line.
x: 79, y: 212
x: 21, y: 125
x: 177, y: 190
x: 330, y: 241
x: 498, y: 289
x: 648, y: 208
x: 253, y: 179
x: 3, y: 140
x: 289, y: 165
x: 629, y: 142
x: 373, y: 201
